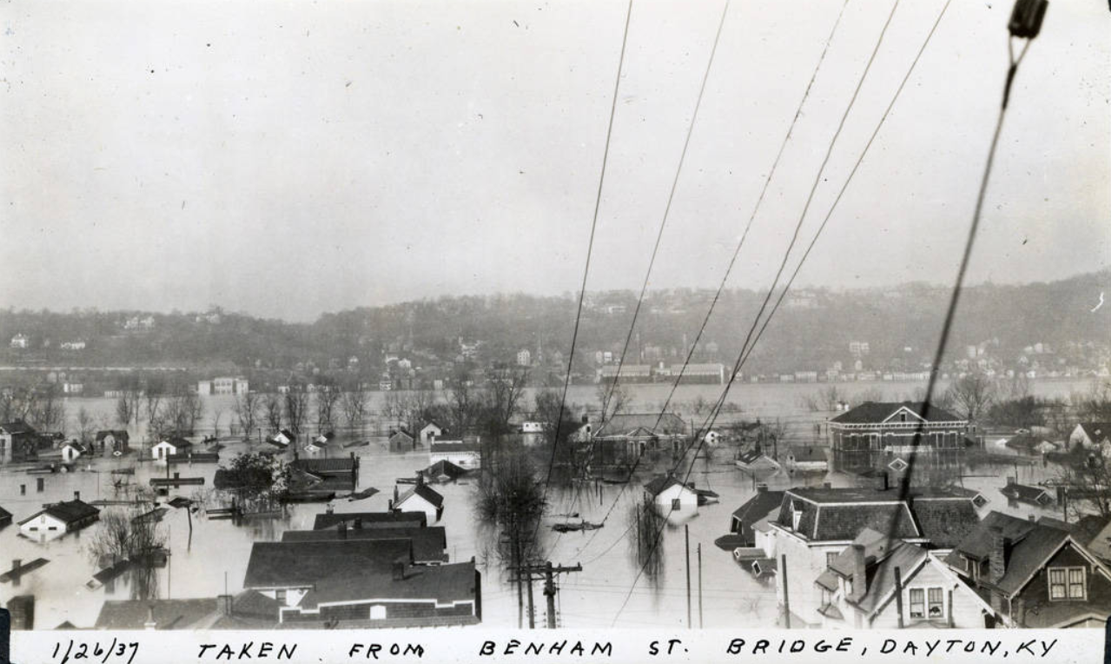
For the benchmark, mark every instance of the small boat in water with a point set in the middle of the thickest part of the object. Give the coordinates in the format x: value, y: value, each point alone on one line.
x: 574, y: 527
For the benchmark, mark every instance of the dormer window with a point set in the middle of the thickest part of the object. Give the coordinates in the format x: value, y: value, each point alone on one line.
x: 796, y: 517
x: 902, y: 417
x: 1067, y: 583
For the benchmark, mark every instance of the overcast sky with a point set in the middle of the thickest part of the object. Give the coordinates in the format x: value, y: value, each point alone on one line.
x: 291, y: 158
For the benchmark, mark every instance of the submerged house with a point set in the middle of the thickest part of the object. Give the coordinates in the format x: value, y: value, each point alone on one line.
x: 876, y: 434
x: 670, y: 493
x: 806, y: 459
x: 58, y: 519
x: 402, y: 441
x: 623, y: 438
x: 370, y: 520
x: 1034, y: 574
x: 429, y: 544
x: 754, y: 510
x: 247, y: 610
x: 20, y: 442
x: 465, y: 453
x: 1031, y: 495
x: 755, y: 461
x: 419, y: 498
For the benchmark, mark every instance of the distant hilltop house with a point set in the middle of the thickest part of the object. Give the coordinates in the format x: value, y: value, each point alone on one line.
x: 58, y: 519
x: 73, y: 345
x: 874, y: 434
x: 20, y: 341
x: 224, y: 385
x: 524, y: 358
x: 136, y: 323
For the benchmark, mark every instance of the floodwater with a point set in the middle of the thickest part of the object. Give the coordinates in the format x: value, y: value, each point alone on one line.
x: 210, y: 556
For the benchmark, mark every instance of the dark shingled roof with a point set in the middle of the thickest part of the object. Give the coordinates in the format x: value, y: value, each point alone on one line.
x: 318, y: 466
x: 661, y: 483
x: 429, y: 544
x: 16, y: 427
x: 117, y: 433
x: 756, y: 508
x: 424, y: 491
x: 444, y: 583
x: 288, y: 564
x: 5, y: 515
x: 947, y: 521
x: 1096, y: 431
x: 370, y: 519
x: 871, y: 412
x: 70, y: 511
x: 444, y: 468
x: 944, y: 515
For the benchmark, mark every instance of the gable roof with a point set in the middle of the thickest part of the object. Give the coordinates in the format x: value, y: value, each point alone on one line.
x: 369, y: 519
x: 881, y: 556
x: 17, y: 427
x: 299, y: 564
x: 424, y: 491
x: 444, y: 583
x: 5, y: 514
x: 67, y: 512
x: 444, y: 468
x: 661, y: 483
x: 115, y: 433
x: 1096, y: 431
x: 429, y: 544
x: 317, y: 466
x: 757, y: 507
x: 875, y: 412
x: 624, y: 423
x: 168, y: 613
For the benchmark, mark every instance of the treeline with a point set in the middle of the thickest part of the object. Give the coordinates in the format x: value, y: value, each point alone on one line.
x: 811, y: 331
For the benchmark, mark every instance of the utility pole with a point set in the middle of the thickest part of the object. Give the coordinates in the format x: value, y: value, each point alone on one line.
x: 531, y: 606
x: 700, y: 585
x: 786, y: 597
x: 687, y: 535
x: 898, y: 594
x: 550, y: 589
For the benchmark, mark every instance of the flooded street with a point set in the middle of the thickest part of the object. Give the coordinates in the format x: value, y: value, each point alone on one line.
x: 211, y: 556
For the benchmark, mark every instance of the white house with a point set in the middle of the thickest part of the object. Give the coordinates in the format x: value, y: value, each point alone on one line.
x: 58, y: 519
x: 162, y: 451
x: 463, y: 453
x: 20, y: 341
x: 670, y: 494
x: 532, y: 427
x: 807, y: 459
x: 420, y: 498
x: 430, y: 432
x: 72, y: 450
x: 283, y: 438
x: 860, y: 589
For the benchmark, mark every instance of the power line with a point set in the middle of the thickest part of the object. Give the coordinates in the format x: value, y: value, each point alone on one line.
x: 1026, y: 27
x: 663, y: 222
x: 736, y: 251
x: 699, y: 434
x: 590, y: 244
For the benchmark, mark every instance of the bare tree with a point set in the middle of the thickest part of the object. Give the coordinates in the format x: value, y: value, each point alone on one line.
x: 48, y: 412
x: 327, y: 396
x: 153, y: 394
x: 85, y: 425
x: 296, y: 408
x: 246, y: 411
x: 503, y: 397
x: 612, y: 399
x: 128, y: 535
x: 353, y: 402
x: 971, y: 395
x: 124, y: 414
x: 217, y: 415
x: 272, y: 407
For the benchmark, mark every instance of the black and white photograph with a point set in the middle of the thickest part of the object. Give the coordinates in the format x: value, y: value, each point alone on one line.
x: 437, y: 317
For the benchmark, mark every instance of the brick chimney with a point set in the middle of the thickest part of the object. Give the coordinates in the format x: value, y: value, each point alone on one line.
x: 860, y: 573
x: 77, y: 495
x: 399, y: 570
x: 420, y: 479
x: 997, y: 562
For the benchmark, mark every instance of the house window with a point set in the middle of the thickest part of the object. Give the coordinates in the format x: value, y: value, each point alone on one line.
x: 676, y: 504
x: 796, y: 518
x: 830, y: 557
x: 1067, y: 583
x: 378, y: 612
x: 279, y: 595
x: 936, y: 602
x: 917, y: 602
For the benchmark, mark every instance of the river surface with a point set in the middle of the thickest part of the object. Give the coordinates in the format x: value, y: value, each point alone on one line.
x: 211, y: 555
